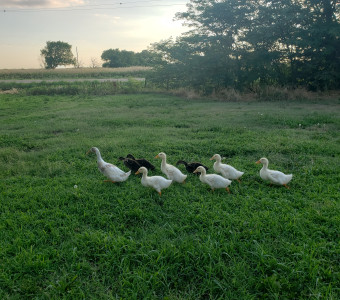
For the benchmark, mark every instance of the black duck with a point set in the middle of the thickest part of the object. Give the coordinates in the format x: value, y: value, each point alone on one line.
x: 130, y: 163
x: 142, y: 161
x: 191, y: 167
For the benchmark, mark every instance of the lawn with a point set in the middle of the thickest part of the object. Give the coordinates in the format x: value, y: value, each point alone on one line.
x: 66, y: 234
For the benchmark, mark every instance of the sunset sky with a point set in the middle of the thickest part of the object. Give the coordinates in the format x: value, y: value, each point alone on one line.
x: 89, y: 26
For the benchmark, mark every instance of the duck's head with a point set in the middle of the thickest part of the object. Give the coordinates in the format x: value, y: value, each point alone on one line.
x: 262, y: 160
x: 161, y: 155
x: 142, y: 170
x: 200, y: 169
x: 216, y: 157
x: 93, y: 149
x: 130, y: 156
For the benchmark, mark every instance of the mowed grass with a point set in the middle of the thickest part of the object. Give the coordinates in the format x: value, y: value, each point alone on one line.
x: 66, y: 234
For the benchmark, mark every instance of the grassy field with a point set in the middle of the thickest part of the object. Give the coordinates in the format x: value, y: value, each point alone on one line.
x: 63, y: 73
x: 65, y: 234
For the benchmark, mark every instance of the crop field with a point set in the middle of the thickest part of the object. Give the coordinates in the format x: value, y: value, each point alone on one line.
x: 67, y: 234
x: 63, y: 73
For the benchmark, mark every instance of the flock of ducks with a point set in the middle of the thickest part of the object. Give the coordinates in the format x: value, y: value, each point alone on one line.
x: 215, y: 181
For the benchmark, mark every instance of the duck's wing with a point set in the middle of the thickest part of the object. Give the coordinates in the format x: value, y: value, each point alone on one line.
x: 132, y: 164
x: 104, y: 167
x: 212, y: 179
x: 276, y: 176
x: 169, y: 170
x: 145, y: 163
x: 225, y: 170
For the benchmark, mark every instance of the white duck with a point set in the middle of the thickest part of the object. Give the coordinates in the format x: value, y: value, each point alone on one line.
x: 156, y: 182
x: 275, y: 177
x: 109, y: 170
x: 215, y: 181
x: 227, y: 171
x: 171, y: 171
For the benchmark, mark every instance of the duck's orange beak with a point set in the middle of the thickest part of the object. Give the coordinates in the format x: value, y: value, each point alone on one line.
x: 137, y: 173
x: 258, y: 162
x: 211, y: 158
x: 157, y: 156
x: 88, y: 152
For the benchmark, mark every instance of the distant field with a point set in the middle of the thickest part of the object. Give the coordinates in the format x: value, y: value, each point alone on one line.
x: 72, y: 73
x: 65, y: 234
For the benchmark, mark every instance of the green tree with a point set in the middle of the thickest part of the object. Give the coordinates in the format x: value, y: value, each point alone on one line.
x: 115, y: 58
x: 57, y: 54
x: 241, y: 42
x: 147, y: 58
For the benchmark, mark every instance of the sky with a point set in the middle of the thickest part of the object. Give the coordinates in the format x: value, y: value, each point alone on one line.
x: 91, y: 27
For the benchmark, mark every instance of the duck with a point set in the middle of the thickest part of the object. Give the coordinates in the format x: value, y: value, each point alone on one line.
x: 130, y: 163
x: 171, y: 171
x: 227, y: 171
x: 112, y: 172
x: 142, y: 161
x: 275, y: 177
x: 213, y: 180
x: 191, y: 167
x: 156, y: 182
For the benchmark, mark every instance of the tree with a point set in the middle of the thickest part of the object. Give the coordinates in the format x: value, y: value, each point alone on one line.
x: 239, y: 43
x: 115, y: 58
x: 57, y: 54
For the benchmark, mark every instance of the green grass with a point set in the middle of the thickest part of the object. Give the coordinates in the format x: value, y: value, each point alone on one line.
x: 108, y: 241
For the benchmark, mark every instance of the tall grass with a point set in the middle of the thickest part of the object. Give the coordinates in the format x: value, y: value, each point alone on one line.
x: 94, y: 87
x: 65, y: 234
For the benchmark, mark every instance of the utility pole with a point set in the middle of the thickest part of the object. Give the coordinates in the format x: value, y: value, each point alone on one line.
x: 77, y: 57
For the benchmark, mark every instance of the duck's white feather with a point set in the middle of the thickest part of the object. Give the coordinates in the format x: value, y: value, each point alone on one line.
x: 171, y: 171
x: 213, y: 180
x: 275, y: 177
x: 112, y: 172
x: 156, y: 182
x: 227, y: 171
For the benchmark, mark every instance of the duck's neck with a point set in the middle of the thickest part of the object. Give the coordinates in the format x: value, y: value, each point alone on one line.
x: 265, y: 166
x: 99, y: 157
x: 203, y: 173
x: 163, y: 161
x: 218, y: 160
x: 183, y: 162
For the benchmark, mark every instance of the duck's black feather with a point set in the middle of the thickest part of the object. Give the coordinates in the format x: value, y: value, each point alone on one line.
x: 142, y: 161
x: 191, y: 167
x: 130, y: 163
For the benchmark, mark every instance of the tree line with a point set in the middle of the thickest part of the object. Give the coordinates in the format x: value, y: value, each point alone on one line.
x: 244, y: 44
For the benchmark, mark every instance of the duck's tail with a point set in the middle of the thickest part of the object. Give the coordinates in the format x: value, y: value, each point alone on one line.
x: 289, y: 178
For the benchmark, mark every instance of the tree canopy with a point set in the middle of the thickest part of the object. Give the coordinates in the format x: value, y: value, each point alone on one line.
x: 239, y: 43
x: 115, y: 58
x: 57, y: 54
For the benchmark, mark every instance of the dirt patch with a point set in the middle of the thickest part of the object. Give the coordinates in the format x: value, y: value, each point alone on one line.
x: 11, y: 91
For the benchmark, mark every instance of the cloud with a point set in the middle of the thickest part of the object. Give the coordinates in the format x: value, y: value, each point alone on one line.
x: 40, y: 3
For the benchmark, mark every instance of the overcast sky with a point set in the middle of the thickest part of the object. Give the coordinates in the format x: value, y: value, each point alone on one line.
x: 89, y: 26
